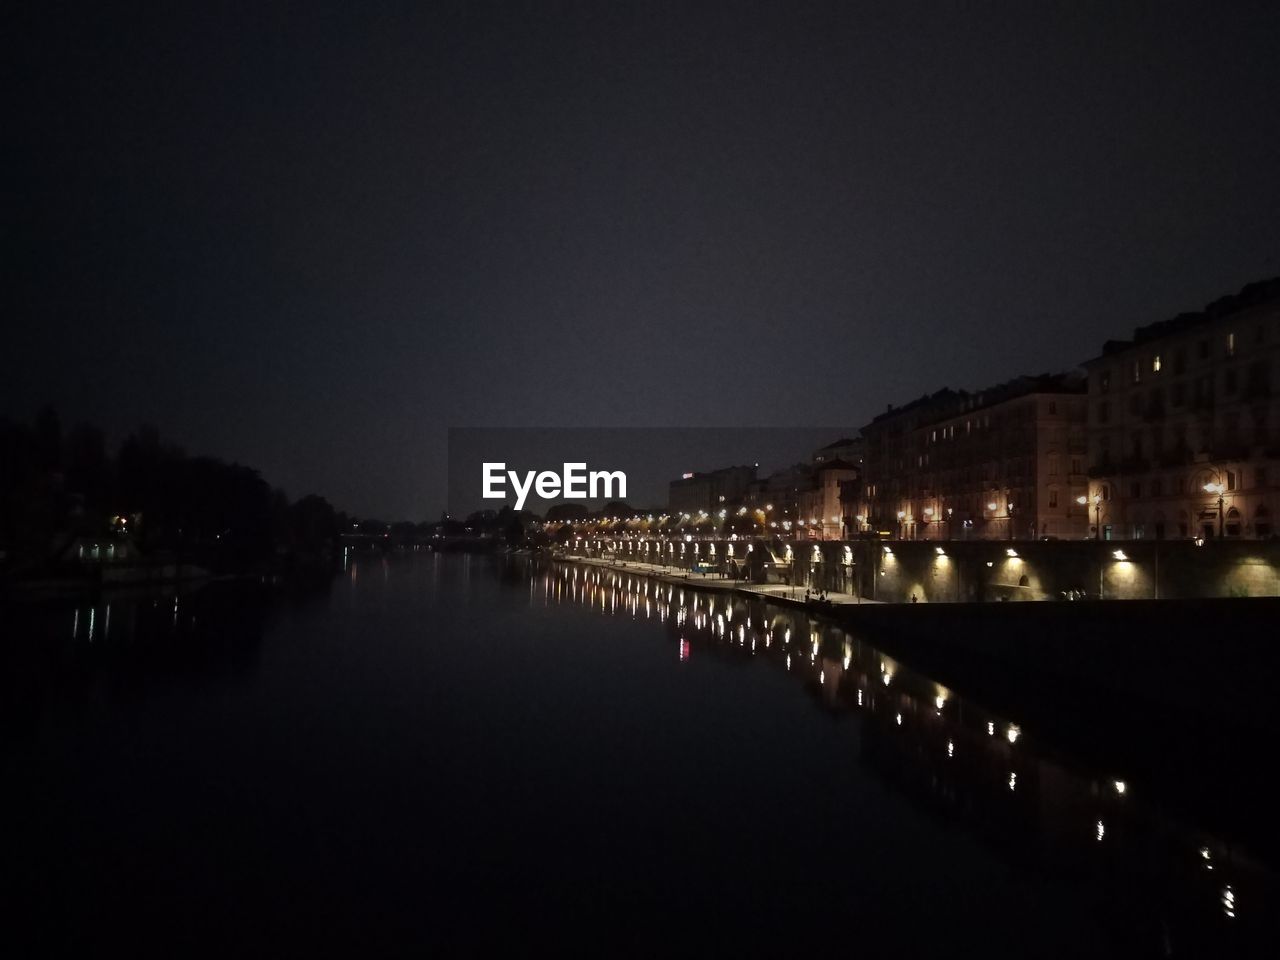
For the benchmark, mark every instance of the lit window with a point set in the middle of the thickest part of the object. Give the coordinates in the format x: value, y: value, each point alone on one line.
x: 1155, y: 364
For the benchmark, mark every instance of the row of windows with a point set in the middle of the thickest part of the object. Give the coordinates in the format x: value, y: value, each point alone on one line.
x: 1257, y: 384
x: 1182, y: 485
x: 1023, y: 413
x: 1177, y: 438
x: 1155, y: 363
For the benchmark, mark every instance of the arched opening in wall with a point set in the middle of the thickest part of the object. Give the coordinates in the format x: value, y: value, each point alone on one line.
x: 1024, y: 581
x: 1262, y: 522
x: 1233, y: 522
x: 1158, y: 525
x: 1139, y: 525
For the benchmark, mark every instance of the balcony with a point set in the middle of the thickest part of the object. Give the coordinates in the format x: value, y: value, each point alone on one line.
x: 1226, y: 452
x: 1180, y: 457
x: 1256, y: 390
x: 1135, y: 465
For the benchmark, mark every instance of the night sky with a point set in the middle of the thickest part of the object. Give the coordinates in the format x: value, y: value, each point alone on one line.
x: 312, y: 238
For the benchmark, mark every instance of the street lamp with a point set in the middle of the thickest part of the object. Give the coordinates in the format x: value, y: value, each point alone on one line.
x: 1219, y: 489
x: 1097, y: 507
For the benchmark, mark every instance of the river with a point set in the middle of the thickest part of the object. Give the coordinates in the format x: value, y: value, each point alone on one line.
x: 458, y: 753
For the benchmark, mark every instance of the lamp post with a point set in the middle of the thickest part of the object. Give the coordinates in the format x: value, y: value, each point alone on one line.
x: 1097, y: 507
x: 1219, y: 489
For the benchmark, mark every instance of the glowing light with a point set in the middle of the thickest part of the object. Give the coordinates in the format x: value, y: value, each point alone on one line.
x: 1013, y: 781
x: 1010, y: 552
x: 1100, y: 831
x: 899, y: 718
x: 1229, y: 901
x: 1013, y: 733
x: 1120, y: 787
x: 1119, y: 555
x: 951, y: 748
x: 991, y: 729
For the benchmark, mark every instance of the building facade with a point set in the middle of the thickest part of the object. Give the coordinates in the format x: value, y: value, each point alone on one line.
x: 1007, y: 463
x: 1184, y: 424
x: 709, y: 492
x: 848, y: 449
x: 822, y: 514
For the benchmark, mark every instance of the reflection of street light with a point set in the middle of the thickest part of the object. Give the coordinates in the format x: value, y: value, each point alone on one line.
x: 1219, y: 489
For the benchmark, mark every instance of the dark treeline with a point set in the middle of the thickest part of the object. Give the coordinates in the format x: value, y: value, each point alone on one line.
x: 60, y: 487
x: 505, y: 527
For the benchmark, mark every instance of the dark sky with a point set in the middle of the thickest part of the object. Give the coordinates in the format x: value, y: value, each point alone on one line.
x: 311, y: 238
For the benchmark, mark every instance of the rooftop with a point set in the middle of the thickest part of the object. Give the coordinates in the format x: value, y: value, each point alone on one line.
x: 949, y: 403
x: 1251, y: 295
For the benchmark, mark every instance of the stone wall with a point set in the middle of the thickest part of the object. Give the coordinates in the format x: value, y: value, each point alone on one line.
x: 984, y: 571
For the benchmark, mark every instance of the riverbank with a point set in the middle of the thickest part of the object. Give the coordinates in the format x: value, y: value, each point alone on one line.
x: 1158, y: 688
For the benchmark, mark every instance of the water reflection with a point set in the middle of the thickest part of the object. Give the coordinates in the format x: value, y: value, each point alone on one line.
x: 61, y: 655
x: 1166, y: 887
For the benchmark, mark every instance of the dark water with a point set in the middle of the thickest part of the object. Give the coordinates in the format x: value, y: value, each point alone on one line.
x: 455, y: 753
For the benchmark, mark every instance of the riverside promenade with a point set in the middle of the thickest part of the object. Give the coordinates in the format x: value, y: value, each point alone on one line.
x: 794, y: 596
